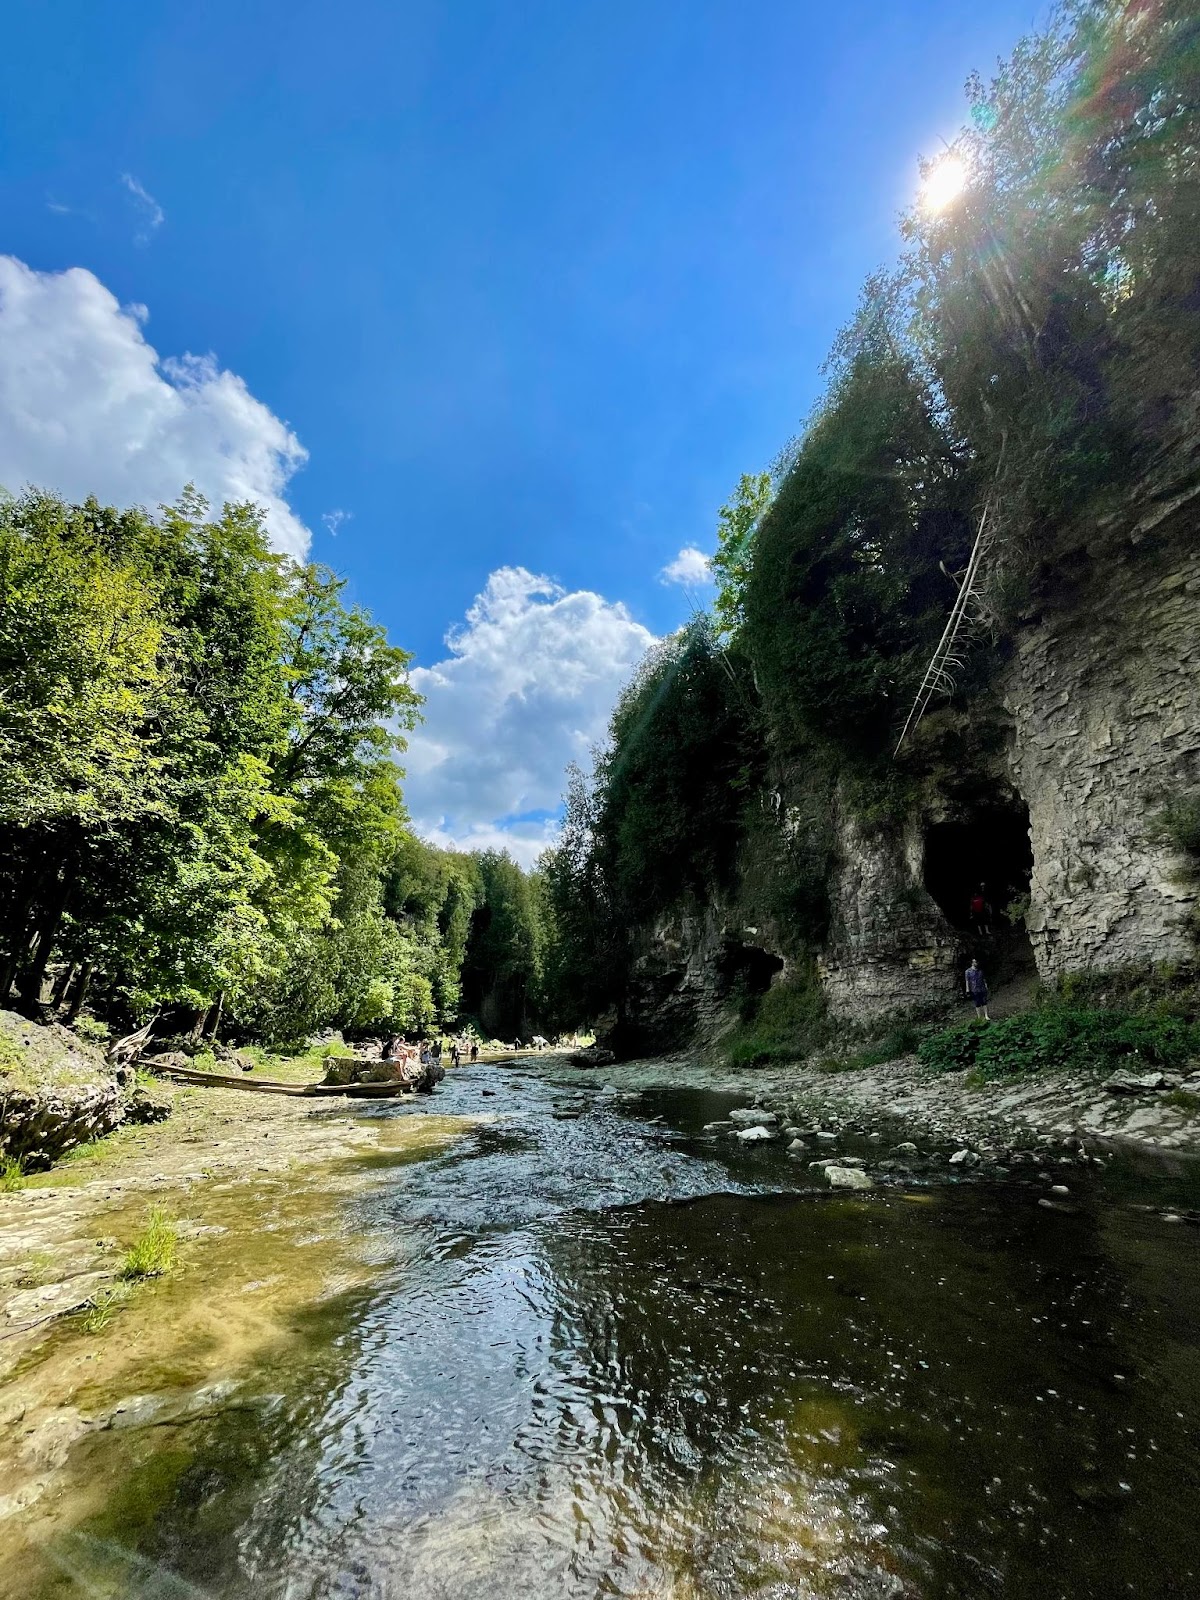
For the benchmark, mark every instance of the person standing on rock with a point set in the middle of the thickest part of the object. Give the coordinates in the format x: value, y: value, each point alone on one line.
x: 977, y: 990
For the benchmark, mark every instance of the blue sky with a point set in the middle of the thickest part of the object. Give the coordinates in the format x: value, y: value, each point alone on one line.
x: 531, y: 285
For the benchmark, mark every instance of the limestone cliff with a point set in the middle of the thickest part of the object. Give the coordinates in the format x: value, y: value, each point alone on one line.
x: 1093, y: 722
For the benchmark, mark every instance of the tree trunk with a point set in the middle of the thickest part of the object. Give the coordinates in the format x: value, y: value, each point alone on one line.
x: 62, y: 983
x: 45, y: 934
x: 213, y: 1021
x: 82, y: 984
x: 22, y: 937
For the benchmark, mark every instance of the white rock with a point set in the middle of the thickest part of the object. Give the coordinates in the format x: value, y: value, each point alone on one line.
x: 847, y: 1178
x: 964, y: 1158
x: 754, y: 1135
x: 753, y: 1116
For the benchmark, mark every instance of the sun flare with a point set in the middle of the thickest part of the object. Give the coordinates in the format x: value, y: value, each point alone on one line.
x: 943, y: 182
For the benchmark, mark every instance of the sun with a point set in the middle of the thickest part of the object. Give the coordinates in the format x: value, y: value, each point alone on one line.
x: 943, y: 182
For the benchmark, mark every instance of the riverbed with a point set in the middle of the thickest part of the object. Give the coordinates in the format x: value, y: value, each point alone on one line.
x: 574, y: 1343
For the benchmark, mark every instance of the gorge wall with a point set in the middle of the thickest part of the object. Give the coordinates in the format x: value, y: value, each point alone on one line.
x: 1096, y: 722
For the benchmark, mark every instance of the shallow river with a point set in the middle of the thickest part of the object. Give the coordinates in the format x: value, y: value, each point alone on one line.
x: 606, y: 1354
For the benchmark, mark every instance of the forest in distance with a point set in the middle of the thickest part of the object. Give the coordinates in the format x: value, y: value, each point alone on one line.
x: 202, y: 812
x: 202, y: 806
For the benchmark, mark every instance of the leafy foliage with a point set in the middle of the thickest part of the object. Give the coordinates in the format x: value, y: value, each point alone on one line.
x: 659, y: 818
x: 787, y: 1023
x: 1065, y: 1039
x: 845, y: 597
x: 202, y: 807
x: 736, y: 526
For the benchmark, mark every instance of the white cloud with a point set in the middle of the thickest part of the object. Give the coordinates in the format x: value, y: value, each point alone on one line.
x: 150, y: 214
x: 88, y: 407
x: 690, y: 568
x: 334, y: 519
x: 528, y: 687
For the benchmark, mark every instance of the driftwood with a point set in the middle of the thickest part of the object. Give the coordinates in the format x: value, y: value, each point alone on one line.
x: 124, y: 1051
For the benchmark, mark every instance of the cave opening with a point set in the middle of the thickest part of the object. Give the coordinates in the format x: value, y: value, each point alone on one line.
x: 984, y: 854
x: 747, y: 968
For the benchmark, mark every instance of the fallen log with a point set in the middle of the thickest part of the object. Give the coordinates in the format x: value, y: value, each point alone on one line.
x: 221, y: 1080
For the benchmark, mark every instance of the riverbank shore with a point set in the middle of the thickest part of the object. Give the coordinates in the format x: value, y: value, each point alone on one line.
x: 904, y: 1098
x: 252, y: 1186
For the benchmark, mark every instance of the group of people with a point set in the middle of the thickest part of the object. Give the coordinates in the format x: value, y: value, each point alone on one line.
x: 980, y: 914
x: 428, y: 1052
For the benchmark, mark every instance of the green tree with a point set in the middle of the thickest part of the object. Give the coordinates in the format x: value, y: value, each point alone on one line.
x: 737, y: 524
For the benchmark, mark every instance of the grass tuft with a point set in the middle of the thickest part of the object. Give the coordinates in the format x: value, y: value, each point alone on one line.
x: 153, y: 1253
x: 12, y: 1174
x: 96, y: 1314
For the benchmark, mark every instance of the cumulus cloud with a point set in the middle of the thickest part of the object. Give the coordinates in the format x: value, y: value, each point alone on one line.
x: 527, y: 687
x: 151, y: 215
x: 87, y: 406
x: 690, y: 568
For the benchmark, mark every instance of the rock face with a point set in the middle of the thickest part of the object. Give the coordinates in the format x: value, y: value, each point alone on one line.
x: 1090, y: 727
x: 890, y: 948
x: 56, y: 1092
x: 1104, y: 692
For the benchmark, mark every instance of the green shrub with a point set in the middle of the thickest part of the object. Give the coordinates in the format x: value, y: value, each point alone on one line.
x: 952, y: 1050
x: 789, y: 1020
x: 91, y: 1030
x: 1065, y: 1039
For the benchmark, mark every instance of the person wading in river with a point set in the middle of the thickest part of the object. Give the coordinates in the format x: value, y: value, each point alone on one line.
x: 977, y: 989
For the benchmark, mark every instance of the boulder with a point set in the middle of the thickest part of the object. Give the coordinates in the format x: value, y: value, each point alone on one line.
x: 166, y: 1059
x: 753, y: 1117
x: 908, y: 1148
x: 56, y: 1091
x: 1134, y: 1082
x: 340, y: 1069
x: 596, y: 1055
x: 755, y: 1135
x: 846, y: 1178
x: 964, y: 1158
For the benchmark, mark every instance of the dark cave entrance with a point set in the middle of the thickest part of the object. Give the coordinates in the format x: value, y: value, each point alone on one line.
x: 746, y: 970
x: 985, y: 844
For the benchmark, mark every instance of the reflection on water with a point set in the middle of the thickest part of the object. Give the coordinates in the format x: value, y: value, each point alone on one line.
x: 614, y: 1358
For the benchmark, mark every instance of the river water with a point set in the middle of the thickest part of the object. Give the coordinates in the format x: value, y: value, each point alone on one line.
x: 604, y: 1353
